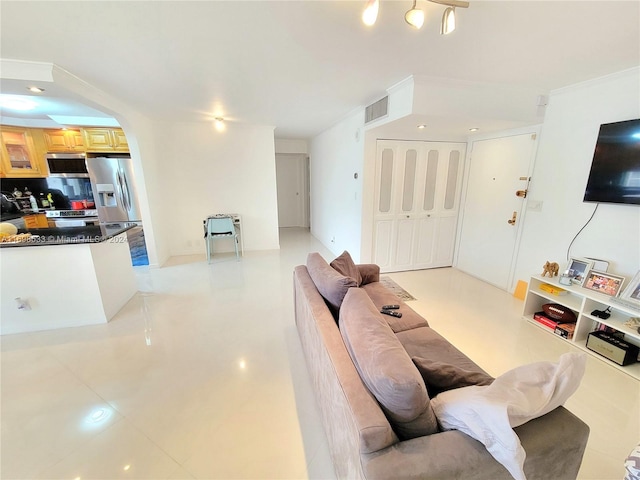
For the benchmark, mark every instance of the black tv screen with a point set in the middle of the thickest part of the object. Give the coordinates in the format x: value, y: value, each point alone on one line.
x: 615, y: 170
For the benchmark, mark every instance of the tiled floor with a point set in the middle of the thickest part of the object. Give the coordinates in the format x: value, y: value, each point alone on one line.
x: 202, y: 376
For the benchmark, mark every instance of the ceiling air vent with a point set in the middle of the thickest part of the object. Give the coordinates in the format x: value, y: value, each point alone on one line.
x: 376, y: 110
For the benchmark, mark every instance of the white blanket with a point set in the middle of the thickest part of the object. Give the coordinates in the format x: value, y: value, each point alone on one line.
x: 488, y: 413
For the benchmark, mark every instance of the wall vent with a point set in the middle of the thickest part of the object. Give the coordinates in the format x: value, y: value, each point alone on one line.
x: 376, y: 110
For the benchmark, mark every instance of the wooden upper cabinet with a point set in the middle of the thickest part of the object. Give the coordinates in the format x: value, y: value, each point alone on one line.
x: 20, y: 157
x: 64, y: 140
x: 105, y: 140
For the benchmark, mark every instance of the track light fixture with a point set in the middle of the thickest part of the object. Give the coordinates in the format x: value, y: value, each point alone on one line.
x: 415, y: 16
x: 370, y: 14
x: 448, y: 23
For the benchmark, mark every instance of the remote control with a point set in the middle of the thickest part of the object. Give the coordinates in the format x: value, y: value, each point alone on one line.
x: 390, y: 307
x: 393, y: 313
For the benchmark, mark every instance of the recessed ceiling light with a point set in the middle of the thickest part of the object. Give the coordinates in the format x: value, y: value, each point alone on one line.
x: 35, y: 89
x: 15, y: 102
x: 219, y: 123
x: 474, y: 129
x: 422, y: 126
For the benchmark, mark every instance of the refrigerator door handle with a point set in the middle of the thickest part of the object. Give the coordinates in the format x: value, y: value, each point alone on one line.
x: 120, y: 192
x: 126, y: 195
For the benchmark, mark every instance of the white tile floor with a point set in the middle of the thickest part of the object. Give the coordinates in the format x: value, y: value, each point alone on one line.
x: 202, y: 376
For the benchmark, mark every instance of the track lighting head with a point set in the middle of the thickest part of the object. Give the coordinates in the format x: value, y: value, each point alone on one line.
x: 448, y: 23
x: 415, y: 16
x: 370, y: 14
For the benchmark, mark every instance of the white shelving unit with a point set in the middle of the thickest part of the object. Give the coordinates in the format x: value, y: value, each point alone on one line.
x: 583, y: 301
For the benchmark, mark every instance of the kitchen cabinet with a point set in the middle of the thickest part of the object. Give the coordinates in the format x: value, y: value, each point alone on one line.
x: 21, y: 153
x: 64, y: 140
x: 105, y: 140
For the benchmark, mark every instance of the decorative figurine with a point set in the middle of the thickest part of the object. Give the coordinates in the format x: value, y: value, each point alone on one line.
x: 551, y: 268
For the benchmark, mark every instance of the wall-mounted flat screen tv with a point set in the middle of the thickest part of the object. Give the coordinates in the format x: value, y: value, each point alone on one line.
x: 615, y: 170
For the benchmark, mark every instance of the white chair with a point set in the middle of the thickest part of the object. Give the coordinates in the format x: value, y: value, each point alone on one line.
x: 220, y: 227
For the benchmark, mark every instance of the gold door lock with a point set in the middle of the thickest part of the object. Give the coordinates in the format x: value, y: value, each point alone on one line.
x: 521, y: 193
x: 513, y: 219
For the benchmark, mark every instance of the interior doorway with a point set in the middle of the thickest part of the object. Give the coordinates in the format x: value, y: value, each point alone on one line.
x: 292, y: 177
x: 494, y: 207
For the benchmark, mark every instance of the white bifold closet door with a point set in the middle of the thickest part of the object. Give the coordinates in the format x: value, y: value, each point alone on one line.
x: 417, y: 199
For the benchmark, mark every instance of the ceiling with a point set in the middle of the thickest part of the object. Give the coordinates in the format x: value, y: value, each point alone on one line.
x: 301, y: 66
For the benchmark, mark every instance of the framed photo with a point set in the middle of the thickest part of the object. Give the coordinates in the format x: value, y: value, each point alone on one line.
x: 578, y: 268
x: 603, y: 282
x: 632, y: 292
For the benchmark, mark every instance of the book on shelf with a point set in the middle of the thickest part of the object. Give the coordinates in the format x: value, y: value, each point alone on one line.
x: 552, y: 289
x: 542, y: 319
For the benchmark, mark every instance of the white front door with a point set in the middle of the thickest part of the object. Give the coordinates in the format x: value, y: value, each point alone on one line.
x: 492, y: 212
x: 416, y: 204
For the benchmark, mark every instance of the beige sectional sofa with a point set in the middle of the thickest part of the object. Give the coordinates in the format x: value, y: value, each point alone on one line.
x: 374, y: 376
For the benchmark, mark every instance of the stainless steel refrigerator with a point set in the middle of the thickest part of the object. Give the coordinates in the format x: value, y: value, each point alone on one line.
x: 114, y: 189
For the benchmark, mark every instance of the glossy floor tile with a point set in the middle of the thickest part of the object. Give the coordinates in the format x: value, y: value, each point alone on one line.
x: 201, y: 376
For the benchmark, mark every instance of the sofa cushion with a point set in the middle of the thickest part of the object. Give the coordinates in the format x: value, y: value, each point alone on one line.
x: 385, y: 367
x: 381, y: 295
x: 370, y: 272
x: 424, y: 342
x: 332, y: 285
x: 345, y: 266
x: 441, y: 376
x: 488, y: 413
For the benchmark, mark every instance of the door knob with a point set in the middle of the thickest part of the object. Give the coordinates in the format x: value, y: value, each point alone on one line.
x: 513, y: 219
x: 521, y: 193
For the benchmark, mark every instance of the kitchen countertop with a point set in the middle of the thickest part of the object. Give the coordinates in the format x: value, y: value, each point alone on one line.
x: 70, y: 235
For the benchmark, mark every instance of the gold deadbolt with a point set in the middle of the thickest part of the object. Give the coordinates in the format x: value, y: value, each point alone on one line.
x: 521, y: 193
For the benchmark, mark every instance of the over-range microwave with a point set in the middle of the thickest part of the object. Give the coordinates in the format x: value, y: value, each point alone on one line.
x: 67, y: 165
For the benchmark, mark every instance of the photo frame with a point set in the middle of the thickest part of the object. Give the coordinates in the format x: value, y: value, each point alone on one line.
x: 577, y: 269
x: 603, y: 282
x: 632, y: 292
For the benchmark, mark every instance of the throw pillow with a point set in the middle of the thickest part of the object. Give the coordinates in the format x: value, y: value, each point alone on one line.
x: 488, y: 413
x: 344, y: 265
x: 440, y: 376
x: 332, y: 285
x: 385, y: 367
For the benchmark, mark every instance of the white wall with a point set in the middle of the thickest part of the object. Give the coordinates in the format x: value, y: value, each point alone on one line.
x: 291, y: 145
x: 206, y: 171
x: 565, y: 151
x: 336, y: 197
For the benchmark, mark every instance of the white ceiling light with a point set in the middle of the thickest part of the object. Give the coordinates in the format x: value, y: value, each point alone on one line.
x: 421, y: 127
x: 448, y: 23
x: 35, y: 89
x: 370, y: 14
x: 219, y: 123
x: 415, y: 16
x: 15, y: 102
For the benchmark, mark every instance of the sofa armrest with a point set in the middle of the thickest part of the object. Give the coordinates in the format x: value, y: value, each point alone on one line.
x: 554, y: 444
x: 370, y: 272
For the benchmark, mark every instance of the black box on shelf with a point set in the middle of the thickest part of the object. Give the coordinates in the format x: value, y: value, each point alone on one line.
x: 613, y: 348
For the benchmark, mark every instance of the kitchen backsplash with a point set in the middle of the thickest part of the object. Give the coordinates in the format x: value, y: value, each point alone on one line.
x: 69, y: 188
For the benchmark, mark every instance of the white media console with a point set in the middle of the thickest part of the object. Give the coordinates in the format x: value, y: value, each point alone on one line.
x: 583, y: 301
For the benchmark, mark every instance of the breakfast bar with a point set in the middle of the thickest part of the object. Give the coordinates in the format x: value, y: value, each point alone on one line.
x: 65, y: 277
